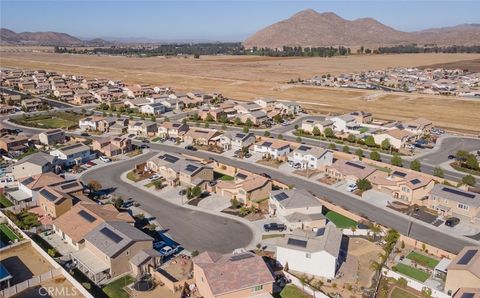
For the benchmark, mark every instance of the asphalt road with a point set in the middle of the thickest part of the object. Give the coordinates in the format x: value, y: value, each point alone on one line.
x: 390, y: 219
x: 194, y: 230
x: 450, y: 145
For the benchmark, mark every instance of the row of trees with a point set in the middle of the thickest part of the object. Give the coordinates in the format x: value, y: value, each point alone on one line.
x: 287, y: 51
x: 413, y: 48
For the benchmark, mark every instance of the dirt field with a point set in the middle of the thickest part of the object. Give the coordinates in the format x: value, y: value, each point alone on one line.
x: 247, y: 78
x: 470, y: 65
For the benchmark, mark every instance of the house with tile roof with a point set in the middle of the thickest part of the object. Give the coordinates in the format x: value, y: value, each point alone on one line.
x: 311, y: 157
x: 54, y: 202
x: 112, y: 146
x: 464, y: 270
x: 273, y: 148
x: 419, y: 126
x: 452, y: 201
x: 234, y: 275
x: 75, y: 154
x: 398, y: 138
x: 202, y: 136
x: 34, y: 164
x: 172, y: 130
x: 236, y: 140
x: 246, y: 187
x: 315, y: 253
x: 349, y: 170
x: 28, y: 187
x: 310, y: 124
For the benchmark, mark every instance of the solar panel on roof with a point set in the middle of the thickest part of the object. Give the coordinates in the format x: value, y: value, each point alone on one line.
x: 241, y: 176
x: 28, y: 181
x: 48, y: 195
x: 415, y: 181
x: 170, y: 158
x: 355, y: 165
x: 240, y: 135
x: 281, y: 196
x: 467, y: 295
x: 111, y: 235
x: 267, y: 144
x: 60, y: 201
x: 467, y: 257
x: 87, y: 216
x: 458, y: 192
x: 304, y: 148
x: 191, y: 168
x: 69, y: 185
x: 296, y: 242
x: 399, y: 174
x: 240, y: 257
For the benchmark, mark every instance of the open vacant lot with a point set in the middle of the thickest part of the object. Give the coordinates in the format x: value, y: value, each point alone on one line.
x: 247, y: 78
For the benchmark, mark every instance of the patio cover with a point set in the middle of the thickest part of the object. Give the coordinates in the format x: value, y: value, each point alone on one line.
x: 442, y: 265
x: 19, y: 195
x: 90, y: 261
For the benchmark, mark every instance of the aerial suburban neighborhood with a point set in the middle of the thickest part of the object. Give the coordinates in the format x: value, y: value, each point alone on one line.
x: 321, y: 157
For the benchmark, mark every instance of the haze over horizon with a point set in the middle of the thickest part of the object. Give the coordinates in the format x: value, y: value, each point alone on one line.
x: 215, y: 20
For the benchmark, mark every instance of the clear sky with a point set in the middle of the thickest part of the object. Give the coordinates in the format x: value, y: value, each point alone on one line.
x: 216, y: 20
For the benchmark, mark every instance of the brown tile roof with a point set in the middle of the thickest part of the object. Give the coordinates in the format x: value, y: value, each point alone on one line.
x: 232, y: 273
x: 353, y: 168
x: 399, y: 134
x: 412, y: 179
x: 468, y: 259
x: 41, y: 180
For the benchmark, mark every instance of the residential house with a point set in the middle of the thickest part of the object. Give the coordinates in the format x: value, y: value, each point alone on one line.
x: 397, y: 137
x: 288, y: 108
x: 28, y: 187
x: 349, y: 170
x: 344, y: 123
x: 54, y: 202
x: 112, y: 146
x: 246, y: 187
x: 133, y: 91
x: 83, y: 99
x: 247, y: 107
x: 467, y: 293
x: 173, y: 104
x: 216, y: 114
x: 75, y: 154
x: 418, y: 126
x: 201, y: 136
x: 6, y: 109
x: 90, y: 123
x: 451, y: 201
x: 13, y: 143
x: 267, y: 104
x: 177, y: 170
x: 310, y: 124
x: 229, y: 276
x: 108, y: 249
x: 464, y: 270
x: 298, y: 208
x: 405, y: 185
x: 256, y: 117
x: 310, y: 157
x: 29, y: 105
x: 314, y: 253
x: 362, y: 117
x: 137, y: 103
x: 272, y: 148
x: 33, y: 164
x: 82, y: 218
x: 153, y: 109
x: 172, y: 130
x: 113, y: 125
x: 142, y: 128
x: 52, y: 137
x: 237, y: 140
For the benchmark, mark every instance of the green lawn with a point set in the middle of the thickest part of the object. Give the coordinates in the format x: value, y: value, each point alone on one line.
x: 4, y: 202
x: 226, y: 178
x: 400, y: 293
x: 412, y: 272
x: 115, y: 288
x: 341, y: 221
x: 5, y: 230
x: 423, y: 259
x: 291, y: 291
x: 50, y: 120
x: 133, y: 176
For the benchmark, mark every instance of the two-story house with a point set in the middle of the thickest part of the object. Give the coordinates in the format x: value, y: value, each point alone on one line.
x: 311, y: 157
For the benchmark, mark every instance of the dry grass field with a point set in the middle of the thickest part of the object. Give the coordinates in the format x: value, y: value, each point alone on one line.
x: 247, y: 78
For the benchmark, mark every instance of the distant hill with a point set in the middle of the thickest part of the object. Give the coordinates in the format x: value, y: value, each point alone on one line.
x: 310, y: 28
x: 9, y: 37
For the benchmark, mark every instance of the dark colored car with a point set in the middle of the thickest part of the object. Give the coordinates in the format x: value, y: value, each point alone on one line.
x: 266, y: 175
x: 451, y: 156
x: 144, y: 146
x: 145, y: 141
x: 274, y: 227
x: 191, y: 148
x: 84, y: 134
x: 452, y: 221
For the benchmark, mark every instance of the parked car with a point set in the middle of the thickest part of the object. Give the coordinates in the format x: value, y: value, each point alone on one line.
x: 168, y: 251
x: 352, y: 187
x: 452, y: 221
x: 155, y: 177
x: 159, y: 244
x: 274, y: 227
x: 145, y: 141
x: 84, y: 134
x: 105, y: 159
x: 266, y: 175
x: 191, y: 148
x: 144, y: 146
x: 451, y: 156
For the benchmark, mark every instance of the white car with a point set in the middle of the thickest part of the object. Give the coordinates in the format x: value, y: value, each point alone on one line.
x: 352, y: 187
x: 155, y: 177
x: 167, y: 251
x: 158, y: 245
x: 105, y: 159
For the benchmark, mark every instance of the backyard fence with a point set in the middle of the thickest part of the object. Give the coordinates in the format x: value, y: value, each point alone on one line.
x: 415, y: 284
x: 308, y: 289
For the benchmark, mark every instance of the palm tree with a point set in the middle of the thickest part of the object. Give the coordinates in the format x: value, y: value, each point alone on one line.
x: 353, y: 229
x: 375, y: 229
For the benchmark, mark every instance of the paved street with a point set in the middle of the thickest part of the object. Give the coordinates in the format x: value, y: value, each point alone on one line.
x: 399, y: 222
x: 450, y: 145
x: 194, y: 230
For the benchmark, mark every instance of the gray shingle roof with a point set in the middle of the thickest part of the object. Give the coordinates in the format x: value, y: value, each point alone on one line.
x: 457, y: 195
x: 39, y: 158
x: 295, y: 198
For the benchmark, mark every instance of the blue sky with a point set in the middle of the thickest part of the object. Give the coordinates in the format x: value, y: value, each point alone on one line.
x: 216, y: 20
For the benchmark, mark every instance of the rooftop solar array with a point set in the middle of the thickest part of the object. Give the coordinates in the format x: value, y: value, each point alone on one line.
x: 267, y: 144
x: 60, y: 201
x: 468, y: 295
x: 240, y: 135
x: 297, y: 242
x: 73, y: 146
x: 281, y: 196
x: 191, y: 168
x: 111, y: 235
x: 48, y: 195
x: 355, y: 165
x: 415, y: 181
x: 467, y: 257
x: 304, y: 148
x: 69, y: 185
x: 458, y: 192
x: 169, y: 158
x: 28, y: 181
x: 201, y: 131
x: 241, y: 257
x: 87, y: 216
x: 399, y: 174
x: 241, y: 176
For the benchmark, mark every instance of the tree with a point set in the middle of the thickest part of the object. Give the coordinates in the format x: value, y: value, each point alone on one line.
x: 153, y: 119
x: 277, y: 118
x: 249, y: 122
x: 416, y: 165
x: 472, y: 162
x: 157, y: 184
x: 351, y: 138
x: 238, y: 121
x: 468, y: 180
x: 329, y: 132
x: 402, y: 282
x: 375, y: 229
x: 370, y: 141
x: 207, y: 125
x: 359, y: 153
x: 353, y: 229
x: 195, y: 253
x: 296, y: 126
x: 209, y: 118
x: 298, y: 139
x: 245, y: 129
x: 375, y: 266
x: 316, y: 131
x: 118, y: 203
x: 438, y: 172
x: 332, y: 146
x: 196, y: 191
x: 280, y: 137
x: 94, y: 185
x: 374, y: 155
x: 462, y: 155
x: 346, y: 149
x: 385, y: 144
x: 396, y: 160
x: 196, y: 56
x: 364, y: 184
x: 266, y: 134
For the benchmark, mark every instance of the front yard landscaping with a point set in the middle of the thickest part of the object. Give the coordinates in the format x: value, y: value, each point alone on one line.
x: 135, y: 177
x: 423, y: 260
x: 412, y: 272
x: 292, y: 291
x: 66, y: 120
x: 115, y: 288
x: 342, y: 222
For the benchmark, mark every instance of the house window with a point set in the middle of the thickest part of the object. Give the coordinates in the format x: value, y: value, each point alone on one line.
x: 257, y: 288
x: 405, y: 189
x: 462, y: 206
x: 308, y: 255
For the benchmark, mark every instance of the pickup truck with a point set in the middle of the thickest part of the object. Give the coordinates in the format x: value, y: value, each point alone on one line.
x: 274, y: 227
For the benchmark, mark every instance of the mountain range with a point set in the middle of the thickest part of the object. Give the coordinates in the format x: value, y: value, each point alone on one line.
x: 309, y: 28
x: 9, y: 37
